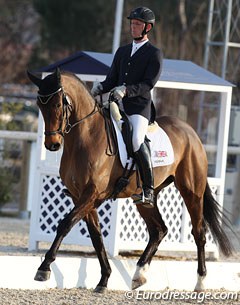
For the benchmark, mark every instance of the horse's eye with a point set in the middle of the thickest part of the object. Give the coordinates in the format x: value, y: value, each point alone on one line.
x: 58, y: 105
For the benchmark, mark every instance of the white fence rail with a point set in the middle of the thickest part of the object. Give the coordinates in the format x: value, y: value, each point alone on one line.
x: 18, y: 135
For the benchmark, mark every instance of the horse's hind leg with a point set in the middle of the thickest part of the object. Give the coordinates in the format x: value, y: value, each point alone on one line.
x: 199, y: 234
x: 195, y: 208
x: 96, y: 237
x: 157, y: 230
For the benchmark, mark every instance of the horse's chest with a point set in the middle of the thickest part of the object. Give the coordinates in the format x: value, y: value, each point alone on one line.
x: 73, y: 172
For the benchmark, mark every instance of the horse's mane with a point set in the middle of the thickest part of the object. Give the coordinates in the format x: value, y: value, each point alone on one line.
x: 67, y: 73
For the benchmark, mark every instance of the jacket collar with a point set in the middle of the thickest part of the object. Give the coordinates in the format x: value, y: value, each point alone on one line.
x: 141, y: 50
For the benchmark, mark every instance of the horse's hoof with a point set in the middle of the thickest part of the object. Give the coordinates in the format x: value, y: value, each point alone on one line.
x: 138, y: 282
x: 100, y: 289
x: 139, y: 277
x: 42, y: 275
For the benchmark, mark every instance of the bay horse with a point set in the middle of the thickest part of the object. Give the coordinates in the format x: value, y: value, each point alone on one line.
x: 73, y: 119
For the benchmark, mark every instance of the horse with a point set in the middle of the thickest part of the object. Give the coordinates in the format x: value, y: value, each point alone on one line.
x: 74, y: 120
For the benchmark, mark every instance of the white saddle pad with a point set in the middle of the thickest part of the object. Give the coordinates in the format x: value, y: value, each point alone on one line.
x: 161, y: 148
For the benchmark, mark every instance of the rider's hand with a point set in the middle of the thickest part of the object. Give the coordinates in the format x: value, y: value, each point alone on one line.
x: 96, y: 88
x: 119, y: 92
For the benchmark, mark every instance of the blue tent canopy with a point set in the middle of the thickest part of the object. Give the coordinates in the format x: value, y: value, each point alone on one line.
x: 94, y: 63
x: 80, y: 63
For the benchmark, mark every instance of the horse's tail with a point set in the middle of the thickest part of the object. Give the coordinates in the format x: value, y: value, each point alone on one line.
x: 215, y: 220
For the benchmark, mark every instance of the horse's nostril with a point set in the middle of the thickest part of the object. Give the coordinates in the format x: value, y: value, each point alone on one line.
x: 53, y: 146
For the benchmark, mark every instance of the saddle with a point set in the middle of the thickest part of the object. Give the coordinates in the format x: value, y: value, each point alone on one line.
x: 127, y: 131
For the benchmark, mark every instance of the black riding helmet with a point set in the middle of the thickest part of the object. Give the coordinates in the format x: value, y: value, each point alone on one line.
x: 143, y: 14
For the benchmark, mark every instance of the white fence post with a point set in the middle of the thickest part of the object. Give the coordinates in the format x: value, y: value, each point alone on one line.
x: 185, y: 225
x: 113, y: 245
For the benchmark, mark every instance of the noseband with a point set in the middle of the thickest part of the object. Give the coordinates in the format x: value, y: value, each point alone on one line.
x: 67, y: 108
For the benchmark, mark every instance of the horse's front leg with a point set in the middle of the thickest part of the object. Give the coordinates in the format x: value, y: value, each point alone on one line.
x: 86, y: 204
x: 63, y: 228
x: 157, y: 230
x: 96, y: 237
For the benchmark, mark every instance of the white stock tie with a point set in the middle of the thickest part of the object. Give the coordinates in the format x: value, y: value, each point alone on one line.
x: 134, y: 49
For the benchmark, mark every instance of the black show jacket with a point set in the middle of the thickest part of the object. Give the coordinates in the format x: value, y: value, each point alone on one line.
x: 138, y: 73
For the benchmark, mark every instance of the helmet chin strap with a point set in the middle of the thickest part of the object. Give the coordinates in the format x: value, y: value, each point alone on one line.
x: 138, y: 38
x: 144, y: 32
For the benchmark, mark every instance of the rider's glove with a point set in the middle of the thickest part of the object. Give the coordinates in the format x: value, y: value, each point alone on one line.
x: 119, y: 92
x: 96, y: 88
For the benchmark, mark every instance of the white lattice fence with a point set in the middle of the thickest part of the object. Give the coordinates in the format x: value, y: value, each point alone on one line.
x: 53, y: 207
x: 121, y: 225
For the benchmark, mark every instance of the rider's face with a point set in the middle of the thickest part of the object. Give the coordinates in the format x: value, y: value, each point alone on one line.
x: 137, y: 27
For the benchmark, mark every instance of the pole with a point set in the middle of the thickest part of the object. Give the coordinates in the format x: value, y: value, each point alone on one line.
x: 23, y: 213
x: 209, y: 33
x: 118, y: 25
x: 226, y: 38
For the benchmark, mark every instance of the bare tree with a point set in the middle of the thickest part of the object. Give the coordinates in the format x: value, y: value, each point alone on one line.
x: 190, y: 26
x: 18, y: 34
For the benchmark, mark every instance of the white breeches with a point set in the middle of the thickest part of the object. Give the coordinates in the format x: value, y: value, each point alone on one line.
x: 140, y: 127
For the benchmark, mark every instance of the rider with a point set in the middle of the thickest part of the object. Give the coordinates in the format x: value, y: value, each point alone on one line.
x: 135, y: 70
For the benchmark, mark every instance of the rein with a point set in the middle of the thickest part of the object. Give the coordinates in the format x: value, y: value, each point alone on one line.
x: 65, y: 113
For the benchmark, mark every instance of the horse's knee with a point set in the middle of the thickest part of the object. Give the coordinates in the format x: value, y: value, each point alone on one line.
x: 61, y: 225
x: 161, y: 232
x: 64, y: 227
x: 157, y: 229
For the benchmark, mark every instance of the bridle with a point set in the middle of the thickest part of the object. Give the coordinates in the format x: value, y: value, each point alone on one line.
x: 67, y: 108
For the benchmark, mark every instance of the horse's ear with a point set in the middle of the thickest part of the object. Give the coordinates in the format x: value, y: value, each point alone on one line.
x: 37, y: 81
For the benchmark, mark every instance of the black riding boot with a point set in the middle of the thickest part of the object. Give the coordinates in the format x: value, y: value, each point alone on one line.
x: 144, y: 163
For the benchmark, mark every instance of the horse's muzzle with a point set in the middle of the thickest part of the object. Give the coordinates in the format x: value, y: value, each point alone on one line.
x: 53, y: 146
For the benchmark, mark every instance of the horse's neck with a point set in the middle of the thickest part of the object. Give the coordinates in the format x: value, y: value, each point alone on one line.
x: 82, y: 104
x: 89, y: 134
x: 85, y: 144
x: 89, y: 127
